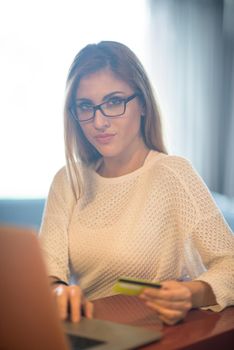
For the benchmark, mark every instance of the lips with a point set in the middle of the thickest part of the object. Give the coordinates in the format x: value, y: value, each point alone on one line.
x: 104, y: 138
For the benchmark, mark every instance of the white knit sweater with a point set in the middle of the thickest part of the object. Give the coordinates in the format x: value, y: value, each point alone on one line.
x: 158, y: 222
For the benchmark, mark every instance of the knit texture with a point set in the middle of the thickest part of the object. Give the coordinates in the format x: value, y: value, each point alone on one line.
x: 158, y: 222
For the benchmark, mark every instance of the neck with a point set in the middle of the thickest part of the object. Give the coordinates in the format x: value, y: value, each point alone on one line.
x: 122, y: 165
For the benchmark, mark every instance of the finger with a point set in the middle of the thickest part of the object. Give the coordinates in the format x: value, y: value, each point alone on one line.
x: 88, y: 309
x: 172, y: 294
x: 180, y: 293
x: 183, y: 305
x: 171, y: 316
x: 168, y: 321
x: 75, y: 303
x: 61, y: 301
x: 176, y: 290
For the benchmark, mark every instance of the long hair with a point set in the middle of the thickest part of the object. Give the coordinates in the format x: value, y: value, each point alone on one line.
x: 125, y: 65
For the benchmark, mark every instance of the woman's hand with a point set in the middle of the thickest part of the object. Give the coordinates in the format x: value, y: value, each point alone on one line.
x: 71, y: 302
x: 171, y: 302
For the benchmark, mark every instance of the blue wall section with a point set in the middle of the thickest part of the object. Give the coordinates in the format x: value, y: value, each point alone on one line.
x: 22, y: 212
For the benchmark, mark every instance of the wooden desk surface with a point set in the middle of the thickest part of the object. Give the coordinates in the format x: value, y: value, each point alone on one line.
x: 200, y: 330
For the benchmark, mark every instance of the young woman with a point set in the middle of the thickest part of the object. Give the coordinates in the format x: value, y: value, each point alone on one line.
x: 122, y: 206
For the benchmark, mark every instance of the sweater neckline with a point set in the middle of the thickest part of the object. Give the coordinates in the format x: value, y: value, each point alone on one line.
x: 149, y: 160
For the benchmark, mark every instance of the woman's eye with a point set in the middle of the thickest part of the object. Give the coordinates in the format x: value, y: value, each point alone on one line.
x: 85, y: 107
x: 115, y: 101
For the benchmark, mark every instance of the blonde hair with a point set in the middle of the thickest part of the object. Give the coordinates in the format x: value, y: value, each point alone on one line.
x: 123, y: 63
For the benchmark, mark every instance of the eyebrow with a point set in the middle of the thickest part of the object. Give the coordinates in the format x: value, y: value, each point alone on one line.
x: 104, y: 98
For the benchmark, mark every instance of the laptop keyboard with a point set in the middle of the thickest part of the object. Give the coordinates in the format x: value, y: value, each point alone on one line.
x: 80, y: 343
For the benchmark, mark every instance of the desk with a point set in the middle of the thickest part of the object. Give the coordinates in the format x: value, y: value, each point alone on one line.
x: 200, y: 330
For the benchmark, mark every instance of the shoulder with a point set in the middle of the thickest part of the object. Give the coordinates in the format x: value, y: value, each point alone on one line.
x: 67, y: 183
x: 61, y: 176
x: 177, y: 165
x: 61, y: 183
x: 178, y: 173
x: 183, y: 170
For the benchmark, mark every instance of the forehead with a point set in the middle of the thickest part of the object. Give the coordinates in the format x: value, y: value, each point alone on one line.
x: 101, y: 83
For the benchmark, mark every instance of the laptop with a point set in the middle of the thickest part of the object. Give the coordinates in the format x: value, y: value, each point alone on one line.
x: 29, y: 319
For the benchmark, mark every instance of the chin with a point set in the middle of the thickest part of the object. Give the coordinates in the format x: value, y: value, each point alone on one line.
x: 108, y: 153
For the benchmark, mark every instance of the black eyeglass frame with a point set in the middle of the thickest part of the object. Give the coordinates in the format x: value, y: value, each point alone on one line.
x: 99, y: 107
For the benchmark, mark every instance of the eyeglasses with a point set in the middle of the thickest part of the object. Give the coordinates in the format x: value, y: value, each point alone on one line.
x: 115, y: 106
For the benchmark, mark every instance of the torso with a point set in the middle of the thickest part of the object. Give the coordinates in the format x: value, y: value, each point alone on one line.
x: 126, y: 227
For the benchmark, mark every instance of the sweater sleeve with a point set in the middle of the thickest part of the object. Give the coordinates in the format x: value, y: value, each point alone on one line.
x: 209, y: 245
x: 53, y: 233
x: 215, y: 244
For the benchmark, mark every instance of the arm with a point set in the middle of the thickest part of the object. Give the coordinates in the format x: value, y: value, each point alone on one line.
x: 208, y: 251
x: 201, y: 293
x: 53, y: 234
x: 213, y: 243
x: 208, y: 240
x: 54, y: 241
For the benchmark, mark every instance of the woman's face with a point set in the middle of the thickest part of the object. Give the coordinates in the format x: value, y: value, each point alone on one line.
x: 112, y: 137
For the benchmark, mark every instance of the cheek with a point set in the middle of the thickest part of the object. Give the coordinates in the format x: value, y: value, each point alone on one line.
x: 86, y: 131
x: 134, y: 119
x: 133, y: 125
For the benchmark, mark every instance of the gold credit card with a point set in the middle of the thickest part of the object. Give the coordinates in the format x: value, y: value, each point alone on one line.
x: 133, y: 286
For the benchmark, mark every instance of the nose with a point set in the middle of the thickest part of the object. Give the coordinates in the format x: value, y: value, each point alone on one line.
x: 100, y: 121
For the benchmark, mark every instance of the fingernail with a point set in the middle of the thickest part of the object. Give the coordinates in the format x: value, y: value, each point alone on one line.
x: 142, y: 296
x: 72, y: 292
x: 59, y: 290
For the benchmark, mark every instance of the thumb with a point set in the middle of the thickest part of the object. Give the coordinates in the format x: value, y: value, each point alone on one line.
x: 88, y: 309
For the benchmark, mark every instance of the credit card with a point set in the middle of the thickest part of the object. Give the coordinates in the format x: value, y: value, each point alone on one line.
x: 133, y: 286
